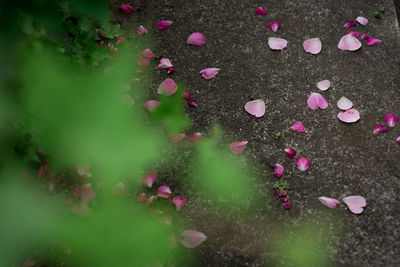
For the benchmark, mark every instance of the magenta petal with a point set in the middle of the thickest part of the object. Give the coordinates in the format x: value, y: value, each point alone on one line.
x: 349, y: 116
x: 398, y: 140
x: 255, y: 107
x: 192, y: 238
x: 278, y: 170
x: 391, y: 119
x: 151, y: 105
x: 355, y: 204
x: 344, y: 103
x: 312, y: 46
x: 274, y: 26
x: 363, y: 21
x: 316, y: 101
x: 349, y: 43
x: 163, y: 24
x: 149, y: 179
x: 238, y: 147
x: 355, y: 34
x: 373, y: 41
x: 277, y: 43
x: 167, y: 87
x: 303, y: 163
x: 349, y: 23
x: 141, y: 30
x: 364, y: 36
x: 176, y: 138
x: 127, y: 9
x: 324, y: 85
x: 209, y: 73
x: 164, y: 191
x: 290, y: 153
x: 298, y: 127
x: 195, y: 137
x: 164, y: 63
x: 261, y: 11
x: 379, y: 129
x: 186, y: 95
x: 329, y: 202
x: 197, y: 39
x: 179, y: 202
x: 192, y: 103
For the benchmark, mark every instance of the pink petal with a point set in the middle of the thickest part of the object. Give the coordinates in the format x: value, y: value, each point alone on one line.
x: 141, y: 198
x: 398, y: 140
x: 364, y: 36
x: 274, y: 26
x: 192, y: 103
x: 164, y: 63
x: 163, y: 24
x: 164, y: 191
x: 277, y: 43
x: 209, y: 73
x: 186, y: 95
x: 379, y: 129
x: 192, y: 238
x: 355, y: 204
x: 324, y: 85
x: 197, y: 39
x: 316, y: 101
x: 329, y: 202
x: 167, y: 87
x: 142, y: 61
x: 373, y: 41
x: 349, y: 23
x: 363, y: 21
x: 86, y: 193
x: 150, y: 200
x: 349, y: 116
x: 127, y: 9
x: 255, y: 107
x: 355, y: 34
x: 303, y: 163
x: 151, y: 105
x: 312, y: 46
x: 287, y: 205
x: 391, y: 119
x: 170, y: 70
x: 278, y: 170
x: 344, y: 103
x: 349, y: 43
x: 149, y: 179
x: 195, y: 137
x: 290, y: 153
x: 176, y: 138
x: 238, y: 147
x: 147, y: 53
x: 141, y: 30
x: 179, y: 202
x: 261, y: 11
x: 298, y: 127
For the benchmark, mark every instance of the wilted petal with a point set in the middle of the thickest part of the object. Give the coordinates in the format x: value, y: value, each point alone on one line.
x: 373, y: 41
x: 344, y: 103
x: 141, y: 30
x: 149, y: 179
x: 127, y: 9
x: 303, y: 163
x: 192, y: 103
x: 167, y: 87
x: 316, y: 101
x: 192, y: 238
x: 349, y: 116
x: 209, y: 73
x: 290, y: 153
x: 86, y: 193
x: 329, y: 202
x: 238, y: 147
x: 355, y: 204
x: 163, y: 24
x: 349, y: 23
x: 349, y: 43
x: 197, y: 39
x: 391, y: 119
x: 151, y: 105
x: 379, y: 129
x: 312, y: 46
x: 141, y: 198
x: 261, y: 11
x: 164, y: 63
x: 364, y: 36
x: 355, y: 34
x: 164, y: 191
x: 278, y: 170
x: 363, y: 21
x: 179, y: 202
x: 298, y: 127
x: 324, y: 85
x: 176, y: 138
x: 277, y: 43
x: 195, y: 137
x: 274, y: 26
x: 255, y: 107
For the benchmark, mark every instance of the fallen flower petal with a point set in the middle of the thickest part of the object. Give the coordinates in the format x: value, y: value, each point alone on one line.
x: 141, y: 30
x: 147, y: 53
x: 179, y: 202
x: 344, y: 103
x: 176, y: 138
x: 142, y: 61
x: 278, y: 170
x: 316, y: 101
x: 287, y: 205
x: 363, y: 21
x: 373, y: 41
x: 329, y: 202
x: 127, y: 9
x: 379, y: 129
x: 163, y: 24
x: 192, y: 238
x: 312, y: 46
x: 298, y: 127
x: 151, y: 105
x: 324, y: 85
x: 209, y: 73
x: 149, y: 179
x: 164, y: 63
x: 303, y: 163
x: 186, y: 95
x: 168, y: 87
x: 261, y: 11
x: 141, y: 198
x: 274, y: 26
x: 277, y: 43
x: 355, y: 204
x: 255, y: 107
x: 164, y: 191
x: 349, y: 43
x: 238, y: 147
x: 290, y: 153
x: 349, y: 116
x: 355, y: 34
x: 192, y: 103
x: 364, y: 36
x: 391, y: 119
x: 349, y: 23
x: 398, y: 140
x: 197, y: 39
x: 195, y: 137
x: 170, y: 70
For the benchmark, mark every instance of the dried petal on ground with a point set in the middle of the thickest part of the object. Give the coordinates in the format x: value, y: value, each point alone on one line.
x: 312, y: 46
x: 324, y: 85
x: 164, y: 63
x: 151, y: 105
x: 355, y: 204
x: 179, y: 202
x: 274, y: 26
x: 149, y: 179
x: 355, y: 34
x: 261, y: 11
x: 163, y: 24
x: 127, y: 9
x: 344, y: 103
x: 349, y: 116
x: 373, y: 41
x: 278, y: 170
x: 209, y: 73
x: 349, y: 23
x: 379, y: 129
x: 391, y: 119
x: 141, y: 30
x: 329, y: 202
x: 277, y: 43
x: 164, y: 192
x: 303, y: 163
x: 168, y: 87
x: 197, y: 39
x: 195, y: 137
x: 349, y: 43
x: 290, y: 153
x: 238, y: 147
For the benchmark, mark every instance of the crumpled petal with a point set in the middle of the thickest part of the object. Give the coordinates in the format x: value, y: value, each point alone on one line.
x: 151, y: 105
x: 141, y: 30
x: 168, y: 87
x: 379, y: 129
x: 364, y: 36
x: 349, y: 116
x: 363, y: 21
x: 355, y: 34
x: 349, y: 43
x: 277, y: 43
x: 238, y: 147
x: 176, y: 138
x: 197, y: 39
x: 163, y: 24
x: 303, y: 163
x: 255, y: 107
x: 127, y: 9
x: 373, y: 41
x: 195, y: 137
x: 261, y: 11
x: 192, y: 238
x: 179, y: 202
x: 149, y: 179
x: 164, y: 63
x: 274, y: 26
x: 391, y: 119
x: 164, y: 192
x: 349, y: 23
x: 209, y: 73
x: 329, y: 202
x: 278, y: 170
x: 324, y: 85
x: 312, y: 46
x: 344, y: 103
x: 355, y: 204
x: 298, y: 127
x: 316, y: 101
x: 290, y: 153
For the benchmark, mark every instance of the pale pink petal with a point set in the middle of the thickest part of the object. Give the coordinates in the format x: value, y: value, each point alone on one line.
x: 167, y: 87
x: 195, y: 137
x: 192, y: 238
x: 147, y: 53
x: 355, y: 204
x: 149, y: 179
x: 349, y: 23
x: 179, y: 202
x: 261, y: 11
x: 355, y: 34
x: 278, y: 170
x: 197, y: 39
x: 298, y: 127
x: 83, y: 171
x: 391, y: 119
x: 398, y: 140
x: 141, y: 30
x: 192, y: 103
x: 255, y: 107
x: 86, y: 193
x: 329, y: 202
x: 364, y: 36
x: 127, y: 9
x: 290, y: 153
x: 164, y: 191
x: 373, y: 41
x: 379, y: 129
x: 344, y: 103
x: 238, y: 147
x: 164, y: 63
x: 349, y: 43
x: 277, y: 43
x: 316, y: 101
x: 312, y: 46
x: 163, y: 24
x: 209, y: 73
x: 363, y: 21
x: 151, y: 105
x: 349, y: 116
x: 176, y: 138
x: 274, y: 26
x: 141, y: 198
x: 324, y: 85
x: 303, y: 163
